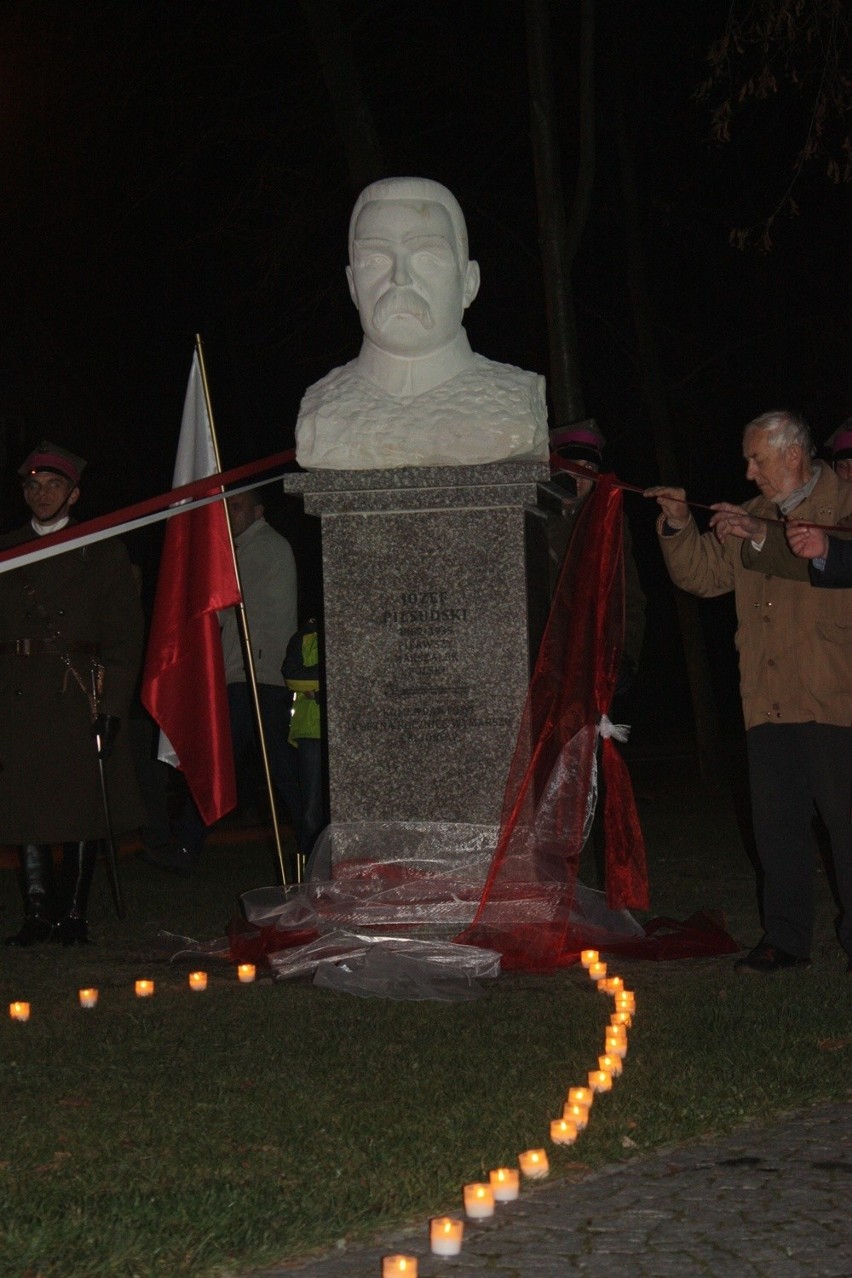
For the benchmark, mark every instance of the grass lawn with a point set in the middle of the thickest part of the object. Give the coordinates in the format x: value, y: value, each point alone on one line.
x: 201, y: 1134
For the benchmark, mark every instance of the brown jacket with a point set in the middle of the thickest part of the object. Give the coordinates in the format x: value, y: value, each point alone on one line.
x: 775, y: 556
x: 49, y: 783
x: 794, y: 642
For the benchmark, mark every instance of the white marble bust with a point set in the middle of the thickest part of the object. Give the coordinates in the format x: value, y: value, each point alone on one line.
x: 416, y: 395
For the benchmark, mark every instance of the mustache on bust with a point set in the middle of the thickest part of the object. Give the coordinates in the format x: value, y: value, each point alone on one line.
x: 402, y: 301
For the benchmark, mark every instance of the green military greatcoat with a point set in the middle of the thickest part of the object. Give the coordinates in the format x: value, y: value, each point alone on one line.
x: 82, y: 604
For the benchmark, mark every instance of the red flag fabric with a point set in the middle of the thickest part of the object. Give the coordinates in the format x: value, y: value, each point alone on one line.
x: 183, y: 685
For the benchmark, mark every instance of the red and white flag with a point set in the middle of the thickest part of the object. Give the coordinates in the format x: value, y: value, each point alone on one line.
x: 183, y: 685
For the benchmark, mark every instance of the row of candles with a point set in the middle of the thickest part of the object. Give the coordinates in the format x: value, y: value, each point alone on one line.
x: 446, y: 1233
x: 246, y: 973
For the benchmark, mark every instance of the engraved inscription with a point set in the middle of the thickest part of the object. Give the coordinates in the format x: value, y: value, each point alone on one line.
x: 428, y: 691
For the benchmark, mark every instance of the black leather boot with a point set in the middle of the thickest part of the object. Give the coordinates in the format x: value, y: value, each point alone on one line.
x: 35, y: 861
x: 78, y: 866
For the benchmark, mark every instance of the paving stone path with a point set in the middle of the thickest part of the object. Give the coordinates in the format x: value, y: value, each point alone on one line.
x: 769, y: 1201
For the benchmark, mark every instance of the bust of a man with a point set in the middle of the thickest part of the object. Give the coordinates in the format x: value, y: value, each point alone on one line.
x: 416, y: 395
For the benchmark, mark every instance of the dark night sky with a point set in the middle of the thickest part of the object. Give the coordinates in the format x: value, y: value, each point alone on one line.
x: 173, y: 166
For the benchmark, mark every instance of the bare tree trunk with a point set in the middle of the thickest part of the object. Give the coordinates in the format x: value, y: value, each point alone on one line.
x: 656, y: 400
x: 352, y: 114
x: 560, y: 237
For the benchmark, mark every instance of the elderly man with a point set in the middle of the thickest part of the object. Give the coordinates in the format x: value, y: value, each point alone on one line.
x: 416, y: 395
x: 70, y: 648
x: 268, y: 576
x: 795, y: 676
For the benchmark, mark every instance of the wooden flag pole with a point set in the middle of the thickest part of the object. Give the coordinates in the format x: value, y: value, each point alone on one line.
x: 248, y: 652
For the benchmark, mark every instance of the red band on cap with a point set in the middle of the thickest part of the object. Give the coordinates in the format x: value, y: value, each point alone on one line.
x: 841, y: 440
x: 559, y: 439
x: 50, y: 461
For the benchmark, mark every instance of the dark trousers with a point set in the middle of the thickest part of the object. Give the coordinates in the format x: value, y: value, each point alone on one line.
x: 153, y: 778
x: 792, y: 768
x: 309, y: 756
x: 275, y: 705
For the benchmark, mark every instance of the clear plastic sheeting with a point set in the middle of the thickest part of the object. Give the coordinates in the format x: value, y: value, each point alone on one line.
x: 390, y: 967
x: 174, y: 947
x: 427, y: 844
x: 590, y: 910
x: 423, y: 878
x: 384, y: 921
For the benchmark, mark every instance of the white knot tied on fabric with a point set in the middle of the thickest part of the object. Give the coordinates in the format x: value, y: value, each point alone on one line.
x: 606, y: 728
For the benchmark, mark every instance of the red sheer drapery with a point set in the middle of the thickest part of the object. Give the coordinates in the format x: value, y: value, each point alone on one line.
x: 526, y: 910
x: 531, y: 909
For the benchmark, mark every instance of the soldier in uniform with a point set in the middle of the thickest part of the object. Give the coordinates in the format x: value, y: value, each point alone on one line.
x: 71, y: 635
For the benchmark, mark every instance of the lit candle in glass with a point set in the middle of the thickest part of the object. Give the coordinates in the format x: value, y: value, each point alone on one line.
x: 392, y: 1266
x: 580, y: 1096
x: 576, y: 1114
x: 505, y: 1183
x: 88, y: 998
x: 621, y: 1018
x: 615, y: 985
x: 597, y: 971
x: 600, y: 1080
x: 478, y: 1200
x: 563, y: 1131
x: 625, y: 1001
x: 588, y: 957
x: 616, y: 1043
x: 445, y: 1236
x: 611, y: 1063
x: 144, y: 989
x: 19, y: 1011
x: 198, y: 980
x: 533, y: 1163
x: 247, y: 972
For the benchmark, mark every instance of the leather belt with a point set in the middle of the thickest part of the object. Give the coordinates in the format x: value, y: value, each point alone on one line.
x: 32, y: 647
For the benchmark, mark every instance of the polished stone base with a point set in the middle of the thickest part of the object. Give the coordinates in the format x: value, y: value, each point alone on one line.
x: 433, y: 612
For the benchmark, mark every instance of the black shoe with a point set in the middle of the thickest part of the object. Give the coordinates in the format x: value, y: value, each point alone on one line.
x: 173, y: 860
x: 34, y: 930
x: 73, y: 931
x: 765, y: 958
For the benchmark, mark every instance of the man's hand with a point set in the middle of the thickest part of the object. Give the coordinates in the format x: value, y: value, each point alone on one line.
x: 735, y: 521
x: 806, y: 542
x: 672, y: 502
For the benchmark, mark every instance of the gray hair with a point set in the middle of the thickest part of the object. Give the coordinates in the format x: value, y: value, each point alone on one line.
x: 785, y: 430
x: 410, y: 188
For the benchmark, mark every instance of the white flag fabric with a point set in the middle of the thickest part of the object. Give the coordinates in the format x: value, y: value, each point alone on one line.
x: 196, y: 455
x: 195, y: 459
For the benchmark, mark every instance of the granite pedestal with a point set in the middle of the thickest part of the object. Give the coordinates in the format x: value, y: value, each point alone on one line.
x: 433, y: 609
